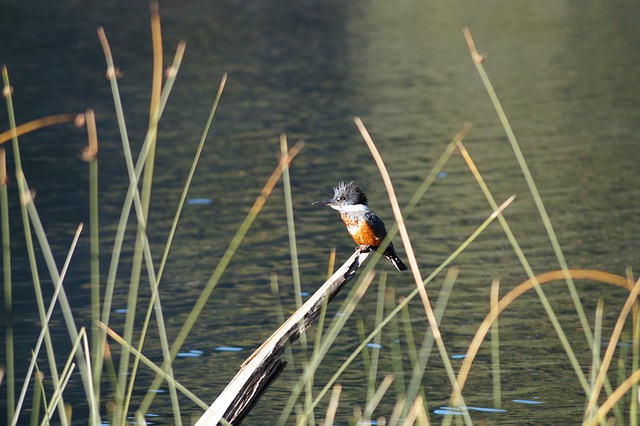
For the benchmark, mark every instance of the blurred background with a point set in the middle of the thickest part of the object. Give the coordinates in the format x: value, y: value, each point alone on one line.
x: 566, y: 74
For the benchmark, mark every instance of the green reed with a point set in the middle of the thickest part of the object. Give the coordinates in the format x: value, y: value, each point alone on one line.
x: 415, y: 388
x: 533, y: 188
x: 295, y: 268
x: 38, y: 395
x: 140, y: 248
x: 8, y: 296
x: 133, y: 196
x: 529, y: 271
x: 29, y: 242
x: 391, y: 322
x: 386, y: 320
x: 478, y: 61
x: 495, y: 347
x: 101, y: 353
x: 393, y: 337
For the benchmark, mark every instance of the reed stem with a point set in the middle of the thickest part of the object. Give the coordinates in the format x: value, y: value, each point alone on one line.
x: 413, y: 263
x: 8, y: 297
x: 219, y: 270
x: 7, y: 91
x: 495, y: 347
x: 91, y: 155
x: 533, y: 188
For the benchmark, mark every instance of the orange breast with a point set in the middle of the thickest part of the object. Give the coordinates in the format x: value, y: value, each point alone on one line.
x: 360, y: 231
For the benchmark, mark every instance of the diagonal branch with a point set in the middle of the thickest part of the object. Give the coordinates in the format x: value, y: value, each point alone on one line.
x: 264, y: 366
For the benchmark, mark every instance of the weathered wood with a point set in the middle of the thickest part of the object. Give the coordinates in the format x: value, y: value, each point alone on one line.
x: 264, y: 366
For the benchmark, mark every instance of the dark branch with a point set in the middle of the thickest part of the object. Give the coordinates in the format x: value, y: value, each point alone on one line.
x: 264, y: 366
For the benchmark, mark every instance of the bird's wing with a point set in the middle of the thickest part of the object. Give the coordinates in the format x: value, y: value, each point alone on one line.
x: 376, y: 224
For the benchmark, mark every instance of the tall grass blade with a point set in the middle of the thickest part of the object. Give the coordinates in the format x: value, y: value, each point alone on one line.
x: 221, y: 268
x: 615, y: 397
x: 141, y: 249
x: 597, y: 337
x: 541, y: 295
x: 179, y: 209
x: 396, y: 413
x: 346, y: 309
x: 375, y: 350
x: 366, y: 359
x: 45, y: 327
x: 293, y: 246
x: 633, y: 405
x: 495, y: 347
x: 172, y: 73
x: 80, y: 343
x: 377, y: 397
x: 38, y: 392
x: 608, y: 356
x: 57, y: 395
x: 90, y: 155
x: 146, y: 361
x: 393, y: 337
x: 295, y: 269
x: 417, y: 413
x: 85, y: 375
x: 147, y: 181
x: 8, y: 297
x: 115, y: 254
x: 134, y: 196
x: 34, y: 125
x: 7, y: 92
x: 410, y: 297
x: 477, y: 61
x: 621, y: 375
x: 288, y: 353
x: 529, y: 271
x: 635, y: 356
x: 323, y: 310
x: 194, y: 165
x: 133, y: 189
x: 519, y: 290
x: 427, y: 343
x: 413, y: 263
x: 407, y: 328
x: 333, y: 405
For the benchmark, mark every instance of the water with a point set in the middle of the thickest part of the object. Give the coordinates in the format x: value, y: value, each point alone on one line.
x: 564, y: 71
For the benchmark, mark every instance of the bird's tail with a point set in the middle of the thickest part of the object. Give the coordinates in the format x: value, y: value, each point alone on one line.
x: 393, y: 258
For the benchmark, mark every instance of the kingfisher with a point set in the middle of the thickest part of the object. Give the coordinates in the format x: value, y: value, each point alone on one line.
x: 366, y: 229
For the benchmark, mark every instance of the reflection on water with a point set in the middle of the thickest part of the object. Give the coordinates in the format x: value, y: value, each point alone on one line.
x: 564, y: 71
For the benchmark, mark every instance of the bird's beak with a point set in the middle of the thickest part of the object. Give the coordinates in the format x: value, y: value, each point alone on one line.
x: 322, y: 203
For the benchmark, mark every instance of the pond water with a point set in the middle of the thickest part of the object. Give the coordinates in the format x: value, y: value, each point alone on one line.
x: 566, y: 74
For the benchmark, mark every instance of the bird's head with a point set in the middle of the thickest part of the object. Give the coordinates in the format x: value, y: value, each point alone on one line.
x: 344, y: 195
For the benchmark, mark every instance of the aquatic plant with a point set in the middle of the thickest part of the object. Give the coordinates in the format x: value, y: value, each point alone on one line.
x: 108, y: 377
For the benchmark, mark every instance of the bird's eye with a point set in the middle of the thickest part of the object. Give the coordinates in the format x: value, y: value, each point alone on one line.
x: 341, y: 199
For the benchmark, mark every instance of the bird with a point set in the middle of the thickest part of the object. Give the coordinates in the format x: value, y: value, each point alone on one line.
x: 364, y: 226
